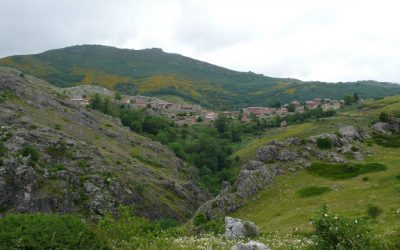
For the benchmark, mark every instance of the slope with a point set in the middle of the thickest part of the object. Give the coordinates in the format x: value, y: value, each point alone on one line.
x: 154, y: 72
x: 57, y: 157
x: 282, y: 207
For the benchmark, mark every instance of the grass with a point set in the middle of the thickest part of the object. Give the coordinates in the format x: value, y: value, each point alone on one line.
x: 312, y: 191
x: 392, y: 141
x: 338, y: 171
x: 280, y: 208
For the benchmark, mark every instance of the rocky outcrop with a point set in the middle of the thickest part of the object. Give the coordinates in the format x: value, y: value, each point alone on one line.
x: 251, y: 245
x: 253, y: 177
x: 61, y: 158
x: 280, y: 157
x: 387, y: 128
x: 238, y: 229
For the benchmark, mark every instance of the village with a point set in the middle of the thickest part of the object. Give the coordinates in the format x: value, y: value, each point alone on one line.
x: 191, y: 114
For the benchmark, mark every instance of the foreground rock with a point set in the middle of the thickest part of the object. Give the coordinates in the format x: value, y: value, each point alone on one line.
x: 238, y: 229
x: 252, y: 245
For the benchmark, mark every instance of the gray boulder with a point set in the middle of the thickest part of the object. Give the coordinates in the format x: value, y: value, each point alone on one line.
x: 252, y: 245
x: 237, y: 229
x: 382, y: 127
x: 276, y: 153
x: 350, y: 132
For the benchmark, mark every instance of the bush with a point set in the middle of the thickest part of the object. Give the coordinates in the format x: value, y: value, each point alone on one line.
x: 373, y: 211
x: 336, y: 232
x: 46, y: 231
x: 199, y: 219
x: 128, y: 231
x: 344, y: 170
x: 324, y: 143
x: 28, y: 150
x: 312, y: 191
x: 3, y: 149
x: 384, y: 117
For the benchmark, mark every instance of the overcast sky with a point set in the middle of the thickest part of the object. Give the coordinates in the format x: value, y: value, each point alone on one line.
x: 327, y: 40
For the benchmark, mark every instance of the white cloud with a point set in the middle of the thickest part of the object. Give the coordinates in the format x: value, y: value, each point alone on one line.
x: 306, y: 39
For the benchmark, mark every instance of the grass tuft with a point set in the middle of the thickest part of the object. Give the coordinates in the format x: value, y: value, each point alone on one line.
x: 344, y: 170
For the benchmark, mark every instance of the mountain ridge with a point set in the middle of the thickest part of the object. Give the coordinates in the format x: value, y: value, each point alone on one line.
x: 154, y: 72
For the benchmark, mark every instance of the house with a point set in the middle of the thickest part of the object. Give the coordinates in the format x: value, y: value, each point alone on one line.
x: 281, y: 111
x: 258, y: 111
x: 210, y: 116
x: 331, y: 105
x: 78, y: 101
x: 312, y: 104
x: 123, y: 101
x: 296, y: 104
x: 244, y: 118
x: 299, y: 109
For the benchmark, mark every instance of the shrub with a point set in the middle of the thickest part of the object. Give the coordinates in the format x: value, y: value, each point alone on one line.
x: 344, y: 170
x: 199, y: 219
x: 128, y: 231
x: 384, y: 117
x: 324, y: 143
x: 336, y: 232
x: 46, y: 231
x: 3, y: 149
x: 28, y: 150
x: 373, y: 211
x: 312, y: 191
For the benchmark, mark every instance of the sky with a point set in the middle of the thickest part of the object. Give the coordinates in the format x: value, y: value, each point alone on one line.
x: 325, y: 40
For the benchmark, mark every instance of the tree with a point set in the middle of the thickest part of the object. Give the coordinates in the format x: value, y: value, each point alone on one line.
x: 221, y: 123
x: 107, y: 107
x: 384, y: 117
x: 291, y: 108
x: 356, y: 99
x: 348, y: 99
x: 117, y: 96
x: 96, y: 102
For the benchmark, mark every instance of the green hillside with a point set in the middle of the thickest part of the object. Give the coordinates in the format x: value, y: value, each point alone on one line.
x: 154, y: 72
x: 284, y: 209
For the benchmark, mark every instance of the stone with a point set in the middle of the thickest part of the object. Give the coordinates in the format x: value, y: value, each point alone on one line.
x: 252, y: 245
x: 382, y: 127
x: 350, y: 132
x: 237, y: 229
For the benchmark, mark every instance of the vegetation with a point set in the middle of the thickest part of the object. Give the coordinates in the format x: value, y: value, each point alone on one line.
x: 46, y: 231
x: 324, y: 143
x: 392, y: 141
x: 162, y: 74
x: 339, y: 232
x: 344, y: 170
x: 312, y: 191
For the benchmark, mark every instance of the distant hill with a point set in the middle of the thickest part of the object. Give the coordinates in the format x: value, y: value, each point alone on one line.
x: 157, y: 73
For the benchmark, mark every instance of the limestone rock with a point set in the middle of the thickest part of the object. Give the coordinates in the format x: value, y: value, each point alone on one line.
x: 252, y: 245
x: 237, y: 229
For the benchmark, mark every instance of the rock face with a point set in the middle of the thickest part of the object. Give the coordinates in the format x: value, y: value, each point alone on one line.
x: 252, y: 245
x: 238, y: 229
x: 254, y: 176
x: 61, y: 158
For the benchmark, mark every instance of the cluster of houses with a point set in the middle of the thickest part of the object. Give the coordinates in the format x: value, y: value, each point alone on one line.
x: 191, y: 114
x: 293, y: 107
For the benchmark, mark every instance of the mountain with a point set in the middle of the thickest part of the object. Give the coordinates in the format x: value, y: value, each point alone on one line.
x: 60, y: 158
x: 156, y: 73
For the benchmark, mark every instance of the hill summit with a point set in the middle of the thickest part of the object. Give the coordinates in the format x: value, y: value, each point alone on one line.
x: 154, y: 72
